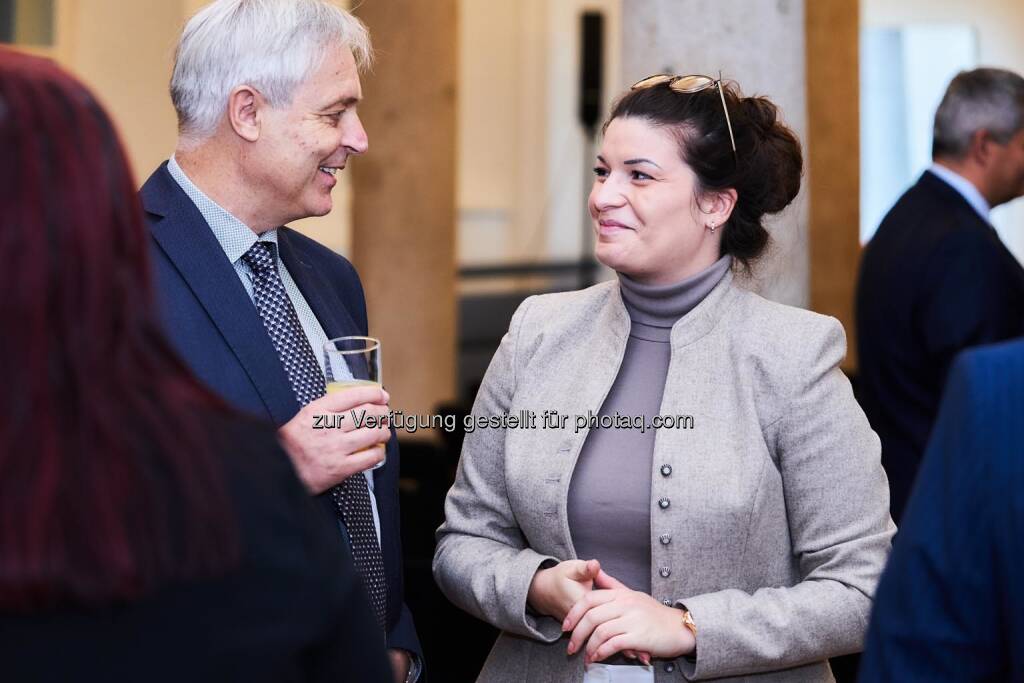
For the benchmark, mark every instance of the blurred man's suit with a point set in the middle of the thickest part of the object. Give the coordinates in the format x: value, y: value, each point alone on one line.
x: 935, y: 279
x: 950, y: 606
x: 216, y: 328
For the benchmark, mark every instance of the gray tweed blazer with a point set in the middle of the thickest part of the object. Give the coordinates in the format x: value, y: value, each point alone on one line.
x: 769, y: 517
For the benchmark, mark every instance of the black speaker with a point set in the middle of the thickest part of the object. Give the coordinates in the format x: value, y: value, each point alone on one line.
x: 591, y: 67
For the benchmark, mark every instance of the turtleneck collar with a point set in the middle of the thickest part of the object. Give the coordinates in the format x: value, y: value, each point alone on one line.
x: 660, y: 306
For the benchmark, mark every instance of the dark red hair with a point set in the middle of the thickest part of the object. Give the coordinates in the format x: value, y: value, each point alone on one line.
x: 108, y: 485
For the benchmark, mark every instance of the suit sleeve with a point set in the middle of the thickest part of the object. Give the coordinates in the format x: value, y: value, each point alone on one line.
x: 343, y: 639
x: 937, y: 614
x: 837, y: 505
x: 351, y: 650
x: 482, y: 562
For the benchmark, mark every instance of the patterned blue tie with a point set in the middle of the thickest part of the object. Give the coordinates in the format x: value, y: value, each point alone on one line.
x: 352, y: 496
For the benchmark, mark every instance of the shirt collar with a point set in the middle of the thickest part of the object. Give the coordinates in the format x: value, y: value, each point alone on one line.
x: 234, y: 236
x: 965, y: 187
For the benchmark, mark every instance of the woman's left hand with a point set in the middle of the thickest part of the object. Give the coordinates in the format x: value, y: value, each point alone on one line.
x: 617, y: 619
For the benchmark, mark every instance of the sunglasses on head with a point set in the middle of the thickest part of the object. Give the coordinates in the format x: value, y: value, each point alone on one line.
x: 690, y: 84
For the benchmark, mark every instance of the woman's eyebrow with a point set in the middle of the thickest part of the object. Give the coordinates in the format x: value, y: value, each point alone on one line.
x: 630, y: 162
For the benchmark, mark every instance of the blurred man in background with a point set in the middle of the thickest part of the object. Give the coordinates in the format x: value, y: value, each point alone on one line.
x: 935, y: 279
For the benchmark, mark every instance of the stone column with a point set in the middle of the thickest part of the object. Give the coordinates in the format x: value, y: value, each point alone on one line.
x: 403, y: 197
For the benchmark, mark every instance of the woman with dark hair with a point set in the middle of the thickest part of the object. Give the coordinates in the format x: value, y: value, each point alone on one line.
x: 698, y: 455
x: 146, y: 531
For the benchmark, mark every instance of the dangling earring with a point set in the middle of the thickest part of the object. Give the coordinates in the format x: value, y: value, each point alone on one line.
x: 712, y: 226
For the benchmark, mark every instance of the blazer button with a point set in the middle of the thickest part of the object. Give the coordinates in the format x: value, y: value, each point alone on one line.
x: 666, y: 470
x: 665, y: 572
x: 664, y: 503
x: 670, y: 667
x: 665, y: 539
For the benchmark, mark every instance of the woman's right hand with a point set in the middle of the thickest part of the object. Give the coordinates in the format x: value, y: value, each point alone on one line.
x: 553, y: 591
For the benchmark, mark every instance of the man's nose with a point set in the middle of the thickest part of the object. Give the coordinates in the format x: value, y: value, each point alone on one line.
x: 355, y: 139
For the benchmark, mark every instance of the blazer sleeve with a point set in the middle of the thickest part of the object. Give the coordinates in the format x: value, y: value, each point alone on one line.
x: 939, y: 615
x: 837, y: 503
x: 482, y: 562
x: 352, y: 649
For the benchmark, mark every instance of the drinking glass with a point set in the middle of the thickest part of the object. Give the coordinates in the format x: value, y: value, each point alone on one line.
x: 351, y: 362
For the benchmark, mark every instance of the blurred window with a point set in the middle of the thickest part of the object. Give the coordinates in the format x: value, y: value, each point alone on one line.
x: 904, y: 71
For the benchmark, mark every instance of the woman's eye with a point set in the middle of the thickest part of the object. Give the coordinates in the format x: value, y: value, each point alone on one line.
x: 600, y: 172
x: 640, y: 175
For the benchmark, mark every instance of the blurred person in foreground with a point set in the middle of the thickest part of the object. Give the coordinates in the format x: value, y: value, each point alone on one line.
x: 950, y: 606
x: 266, y: 93
x: 147, y: 532
x: 935, y: 278
x: 744, y: 546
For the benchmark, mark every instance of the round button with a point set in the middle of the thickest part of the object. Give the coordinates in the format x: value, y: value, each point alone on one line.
x: 664, y: 503
x: 670, y: 667
x: 665, y: 572
x: 666, y: 602
x: 665, y: 539
x: 666, y: 470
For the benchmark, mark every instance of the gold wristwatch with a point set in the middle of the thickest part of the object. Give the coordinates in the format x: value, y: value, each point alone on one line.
x: 689, y: 623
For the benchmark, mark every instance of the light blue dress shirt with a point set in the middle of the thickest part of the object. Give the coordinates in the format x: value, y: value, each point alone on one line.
x: 236, y: 238
x: 965, y: 187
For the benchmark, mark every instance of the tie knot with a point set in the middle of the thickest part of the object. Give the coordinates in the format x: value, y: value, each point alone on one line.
x: 260, y: 257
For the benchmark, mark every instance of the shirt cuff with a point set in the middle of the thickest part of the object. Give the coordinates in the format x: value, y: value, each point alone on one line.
x: 415, y: 667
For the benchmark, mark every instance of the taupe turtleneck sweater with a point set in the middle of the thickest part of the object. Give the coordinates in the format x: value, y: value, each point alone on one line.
x: 610, y: 492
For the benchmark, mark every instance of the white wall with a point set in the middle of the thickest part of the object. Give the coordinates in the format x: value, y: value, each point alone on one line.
x: 999, y: 26
x: 521, y: 168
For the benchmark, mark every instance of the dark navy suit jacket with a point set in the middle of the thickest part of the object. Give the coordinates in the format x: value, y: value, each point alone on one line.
x: 950, y: 606
x: 935, y: 279
x: 215, y: 327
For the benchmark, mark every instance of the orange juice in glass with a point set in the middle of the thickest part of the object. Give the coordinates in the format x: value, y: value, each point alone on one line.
x: 352, y: 362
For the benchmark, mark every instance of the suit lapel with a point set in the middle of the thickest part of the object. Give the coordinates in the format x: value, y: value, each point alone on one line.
x: 329, y: 309
x: 181, y: 232
x: 321, y: 297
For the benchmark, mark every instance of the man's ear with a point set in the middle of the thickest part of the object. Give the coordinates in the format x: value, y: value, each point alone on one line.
x: 980, y: 149
x: 245, y: 112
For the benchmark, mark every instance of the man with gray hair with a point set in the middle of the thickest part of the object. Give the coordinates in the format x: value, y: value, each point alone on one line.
x: 935, y: 278
x: 266, y: 93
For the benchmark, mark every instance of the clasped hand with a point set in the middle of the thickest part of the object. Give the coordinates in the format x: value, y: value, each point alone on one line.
x: 609, y: 620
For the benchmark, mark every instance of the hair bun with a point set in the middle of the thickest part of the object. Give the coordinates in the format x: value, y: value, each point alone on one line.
x: 775, y: 154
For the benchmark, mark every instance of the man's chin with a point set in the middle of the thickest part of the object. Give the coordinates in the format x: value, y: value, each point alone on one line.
x: 321, y: 207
